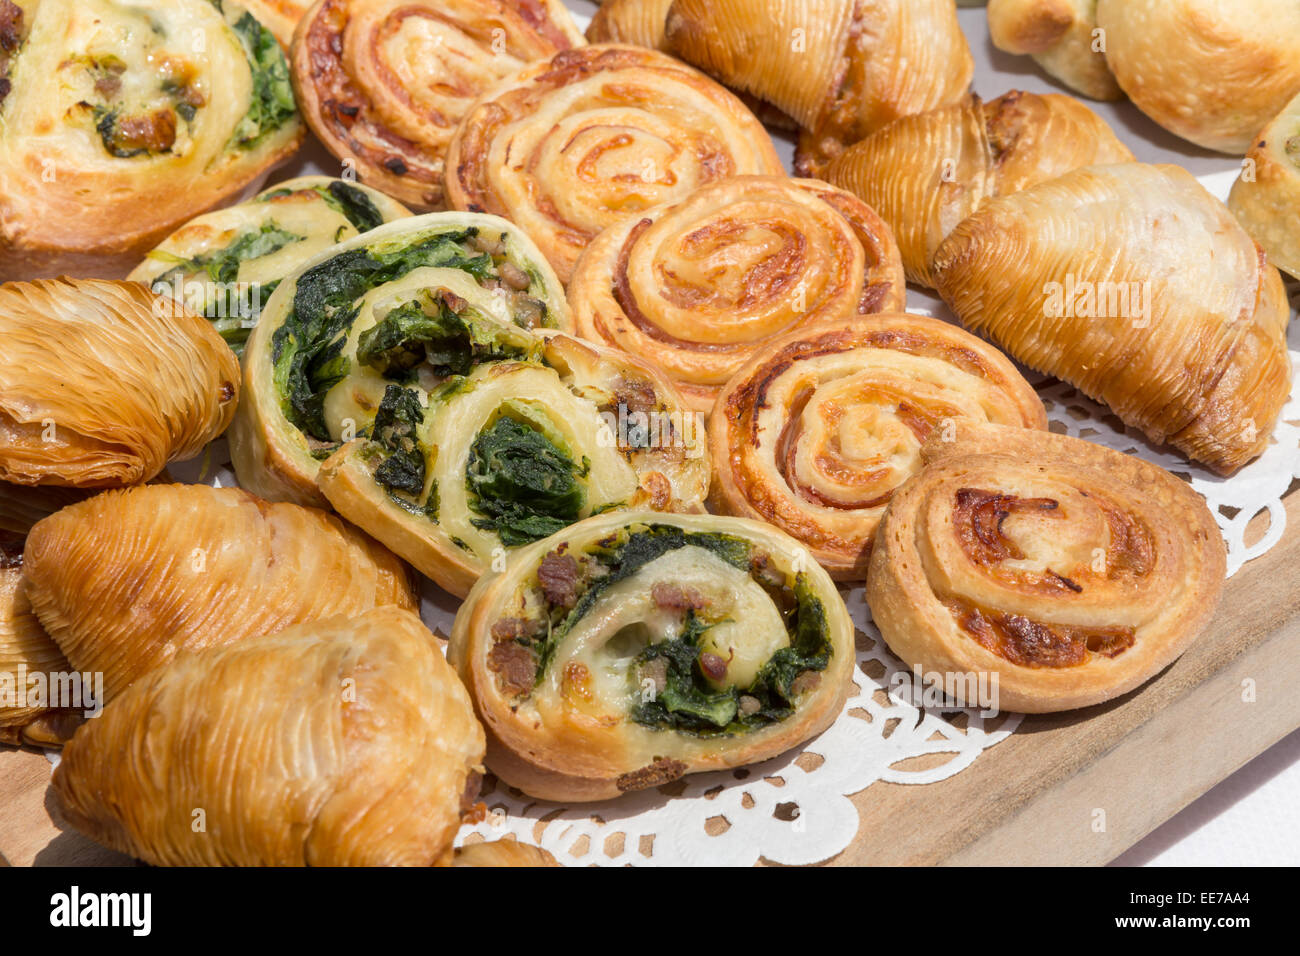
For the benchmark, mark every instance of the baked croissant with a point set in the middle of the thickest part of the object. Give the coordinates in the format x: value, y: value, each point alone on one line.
x: 1136, y: 286
x: 343, y: 742
x: 1067, y: 572
x: 630, y: 650
x: 1211, y: 71
x: 823, y: 425
x: 103, y: 383
x: 384, y: 83
x: 594, y: 136
x: 224, y: 265
x: 125, y: 580
x: 306, y: 390
x: 120, y: 121
x: 926, y: 173
x: 1063, y: 38
x: 1267, y: 193
x: 696, y: 286
x: 840, y: 68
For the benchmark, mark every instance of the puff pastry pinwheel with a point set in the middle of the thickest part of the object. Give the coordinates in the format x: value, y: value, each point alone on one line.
x: 696, y: 286
x: 1139, y: 288
x: 125, y: 580
x: 121, y: 119
x: 224, y: 265
x: 502, y: 853
x: 1072, y: 572
x: 594, y: 136
x: 1063, y: 38
x: 384, y: 83
x: 926, y: 173
x: 840, y: 68
x: 820, y: 428
x: 1266, y: 195
x: 1211, y: 71
x: 630, y: 650
x: 102, y: 383
x: 343, y: 742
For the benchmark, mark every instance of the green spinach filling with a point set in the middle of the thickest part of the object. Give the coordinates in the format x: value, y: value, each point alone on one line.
x: 437, y: 330
x: 272, y: 103
x: 395, y: 429
x: 347, y: 200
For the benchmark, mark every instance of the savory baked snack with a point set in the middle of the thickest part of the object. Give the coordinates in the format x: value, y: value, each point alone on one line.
x: 1266, y: 195
x: 343, y: 742
x: 121, y: 120
x: 821, y: 426
x: 281, y: 17
x: 634, y: 22
x: 1071, y: 572
x: 502, y: 853
x: 1135, y: 285
x: 307, y: 391
x: 841, y: 69
x: 102, y: 383
x: 926, y: 173
x: 125, y: 580
x: 1211, y: 71
x: 697, y: 285
x: 594, y: 136
x: 384, y: 83
x: 630, y: 650
x: 224, y: 265
x: 1063, y: 38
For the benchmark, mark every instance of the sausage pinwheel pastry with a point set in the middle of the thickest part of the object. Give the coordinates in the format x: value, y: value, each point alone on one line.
x: 384, y: 83
x: 121, y: 120
x: 224, y: 265
x: 1072, y: 572
x: 840, y: 68
x: 1062, y: 37
x: 820, y: 428
x: 343, y: 742
x: 1211, y: 71
x: 1138, y: 287
x: 102, y: 383
x: 1267, y: 193
x: 630, y: 650
x: 126, y: 579
x: 594, y: 136
x: 696, y: 286
x: 926, y: 173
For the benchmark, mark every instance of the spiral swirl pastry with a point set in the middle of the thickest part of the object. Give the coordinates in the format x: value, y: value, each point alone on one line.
x: 820, y: 428
x: 384, y: 83
x: 127, y: 579
x: 102, y: 383
x: 630, y: 650
x: 593, y: 137
x: 696, y: 286
x: 1071, y: 572
x: 343, y: 742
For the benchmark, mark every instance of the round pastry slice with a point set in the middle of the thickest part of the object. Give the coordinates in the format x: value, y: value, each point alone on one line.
x: 818, y: 430
x: 593, y: 137
x: 121, y: 120
x: 1267, y: 193
x: 103, y: 383
x: 308, y: 391
x: 1069, y: 572
x: 696, y: 286
x: 630, y: 650
x: 125, y: 580
x: 384, y: 83
x: 224, y: 265
x: 343, y: 742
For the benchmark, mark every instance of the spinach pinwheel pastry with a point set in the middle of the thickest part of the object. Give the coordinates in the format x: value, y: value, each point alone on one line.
x: 281, y: 17
x: 102, y: 383
x: 125, y: 580
x: 630, y: 650
x: 224, y: 265
x: 342, y: 742
x: 122, y: 119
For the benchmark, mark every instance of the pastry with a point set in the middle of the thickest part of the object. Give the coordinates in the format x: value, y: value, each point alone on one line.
x: 630, y: 650
x: 1136, y: 286
x: 1266, y: 196
x: 1068, y: 572
x: 1063, y: 38
x: 281, y: 17
x: 697, y: 285
x: 502, y: 853
x: 634, y: 22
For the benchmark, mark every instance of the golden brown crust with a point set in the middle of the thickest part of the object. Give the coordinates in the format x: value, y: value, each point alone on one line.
x: 1267, y: 194
x: 1062, y: 37
x: 502, y: 853
x: 634, y: 22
